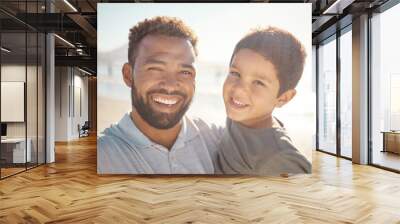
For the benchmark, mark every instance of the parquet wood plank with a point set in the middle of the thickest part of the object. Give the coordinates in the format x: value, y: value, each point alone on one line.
x: 70, y: 191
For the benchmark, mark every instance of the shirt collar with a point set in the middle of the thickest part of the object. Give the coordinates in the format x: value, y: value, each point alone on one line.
x: 135, y: 136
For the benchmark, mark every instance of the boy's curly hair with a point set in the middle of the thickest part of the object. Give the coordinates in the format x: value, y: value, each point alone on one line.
x: 160, y: 25
x: 282, y: 49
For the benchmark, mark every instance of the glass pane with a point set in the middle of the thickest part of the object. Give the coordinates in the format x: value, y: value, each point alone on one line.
x: 31, y: 86
x: 41, y: 98
x: 346, y: 94
x: 13, y: 87
x: 31, y: 98
x: 23, y: 82
x: 327, y: 96
x: 386, y: 89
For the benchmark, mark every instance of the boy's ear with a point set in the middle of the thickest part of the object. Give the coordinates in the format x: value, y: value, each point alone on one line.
x: 285, y: 97
x: 127, y: 74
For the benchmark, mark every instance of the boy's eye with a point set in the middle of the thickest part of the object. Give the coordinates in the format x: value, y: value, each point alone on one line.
x: 236, y: 74
x: 258, y: 82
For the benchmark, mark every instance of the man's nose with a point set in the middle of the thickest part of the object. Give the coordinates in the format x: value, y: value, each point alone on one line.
x: 170, y: 82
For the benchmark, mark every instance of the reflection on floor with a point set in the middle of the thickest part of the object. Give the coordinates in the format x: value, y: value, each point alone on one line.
x: 387, y: 159
x: 10, y: 169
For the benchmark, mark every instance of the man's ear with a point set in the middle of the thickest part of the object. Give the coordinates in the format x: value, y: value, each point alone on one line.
x: 285, y: 97
x: 127, y: 74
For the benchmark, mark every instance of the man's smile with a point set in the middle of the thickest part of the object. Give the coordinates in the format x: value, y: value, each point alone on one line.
x: 166, y: 100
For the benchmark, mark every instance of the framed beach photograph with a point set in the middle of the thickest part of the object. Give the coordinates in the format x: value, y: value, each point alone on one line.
x: 190, y: 88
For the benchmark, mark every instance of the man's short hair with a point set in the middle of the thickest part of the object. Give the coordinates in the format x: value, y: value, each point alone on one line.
x: 282, y: 49
x: 160, y: 25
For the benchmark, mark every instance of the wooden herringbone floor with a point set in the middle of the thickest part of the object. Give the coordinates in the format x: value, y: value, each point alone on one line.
x: 70, y: 191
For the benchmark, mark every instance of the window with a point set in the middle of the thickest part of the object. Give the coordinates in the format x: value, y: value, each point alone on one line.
x: 385, y: 89
x: 346, y: 93
x: 327, y: 96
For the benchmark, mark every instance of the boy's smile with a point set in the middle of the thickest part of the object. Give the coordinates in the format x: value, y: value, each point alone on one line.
x: 236, y: 104
x: 251, y: 89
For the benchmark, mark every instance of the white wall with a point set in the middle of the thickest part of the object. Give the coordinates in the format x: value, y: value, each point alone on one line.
x: 12, y: 73
x: 70, y: 83
x: 62, y: 81
x: 79, y: 115
x: 16, y: 73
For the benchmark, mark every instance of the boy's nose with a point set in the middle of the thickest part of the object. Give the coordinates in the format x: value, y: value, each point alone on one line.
x: 240, y: 86
x: 239, y: 90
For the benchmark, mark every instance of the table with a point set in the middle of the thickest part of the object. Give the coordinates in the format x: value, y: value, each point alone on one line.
x: 16, y: 147
x: 391, y: 141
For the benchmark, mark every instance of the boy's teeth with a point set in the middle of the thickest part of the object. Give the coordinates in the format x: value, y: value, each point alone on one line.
x: 165, y: 101
x: 238, y: 103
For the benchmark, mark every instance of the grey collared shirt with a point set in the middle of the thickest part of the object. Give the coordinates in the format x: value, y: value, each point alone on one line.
x: 124, y: 149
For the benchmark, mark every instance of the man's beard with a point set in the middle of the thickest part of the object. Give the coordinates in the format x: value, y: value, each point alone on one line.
x: 156, y: 119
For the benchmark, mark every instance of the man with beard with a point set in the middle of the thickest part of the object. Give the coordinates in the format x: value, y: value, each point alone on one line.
x: 156, y: 137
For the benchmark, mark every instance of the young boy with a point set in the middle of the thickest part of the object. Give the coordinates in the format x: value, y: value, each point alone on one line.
x: 265, y: 68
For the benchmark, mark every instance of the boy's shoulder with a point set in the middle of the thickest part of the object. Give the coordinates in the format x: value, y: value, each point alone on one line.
x: 207, y: 128
x: 288, y: 152
x: 283, y: 140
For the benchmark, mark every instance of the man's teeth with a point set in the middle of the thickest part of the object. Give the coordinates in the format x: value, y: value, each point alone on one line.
x: 238, y: 103
x: 165, y: 101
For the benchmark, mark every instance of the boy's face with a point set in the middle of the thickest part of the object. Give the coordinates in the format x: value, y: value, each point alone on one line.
x: 251, y: 89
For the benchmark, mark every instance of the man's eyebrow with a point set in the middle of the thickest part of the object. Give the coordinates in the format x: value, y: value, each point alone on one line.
x: 157, y: 61
x: 189, y: 66
x: 154, y: 61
